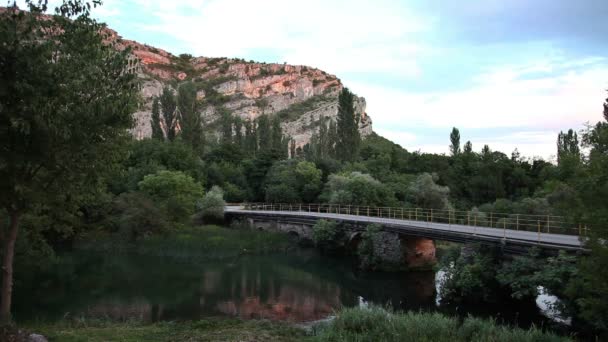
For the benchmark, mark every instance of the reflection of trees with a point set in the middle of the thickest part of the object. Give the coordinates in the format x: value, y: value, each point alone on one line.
x: 298, y: 287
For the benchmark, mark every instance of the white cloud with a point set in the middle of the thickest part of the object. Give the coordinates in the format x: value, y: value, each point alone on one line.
x: 535, y: 109
x: 336, y: 36
x: 499, y: 99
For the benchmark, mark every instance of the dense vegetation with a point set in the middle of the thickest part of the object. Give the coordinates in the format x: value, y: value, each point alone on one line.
x: 377, y: 324
x: 68, y: 170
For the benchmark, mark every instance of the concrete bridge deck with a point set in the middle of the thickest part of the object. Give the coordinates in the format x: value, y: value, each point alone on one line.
x: 431, y: 230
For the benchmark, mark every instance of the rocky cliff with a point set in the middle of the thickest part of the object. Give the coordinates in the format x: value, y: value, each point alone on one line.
x: 299, y: 95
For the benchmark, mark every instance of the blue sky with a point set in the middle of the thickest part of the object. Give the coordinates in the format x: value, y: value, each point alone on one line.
x: 509, y: 73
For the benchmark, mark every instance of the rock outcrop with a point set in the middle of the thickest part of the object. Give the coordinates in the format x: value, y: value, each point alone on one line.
x: 300, y: 95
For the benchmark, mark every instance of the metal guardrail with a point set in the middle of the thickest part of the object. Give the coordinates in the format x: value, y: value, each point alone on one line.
x: 550, y: 224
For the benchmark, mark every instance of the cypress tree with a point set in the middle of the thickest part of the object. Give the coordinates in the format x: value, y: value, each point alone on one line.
x: 292, y: 149
x: 157, y: 131
x: 191, y: 126
x: 277, y: 134
x: 349, y: 139
x: 238, y: 133
x: 263, y: 133
x: 332, y: 139
x: 606, y: 110
x: 168, y: 107
x: 468, y: 147
x: 455, y: 140
x: 226, y: 123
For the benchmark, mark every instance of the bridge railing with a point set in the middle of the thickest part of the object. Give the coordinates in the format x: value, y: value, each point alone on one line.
x: 506, y: 221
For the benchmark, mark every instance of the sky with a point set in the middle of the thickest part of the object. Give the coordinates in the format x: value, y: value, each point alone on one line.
x: 510, y: 74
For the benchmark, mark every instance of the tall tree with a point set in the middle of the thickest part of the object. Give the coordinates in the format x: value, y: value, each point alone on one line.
x: 168, y: 107
x: 455, y: 142
x: 191, y: 126
x: 349, y: 139
x: 251, y: 140
x: 468, y: 147
x: 567, y: 146
x: 606, y: 110
x: 264, y: 133
x: 277, y: 134
x: 66, y: 104
x: 226, y: 121
x: 238, y: 133
x: 332, y: 139
x: 157, y: 131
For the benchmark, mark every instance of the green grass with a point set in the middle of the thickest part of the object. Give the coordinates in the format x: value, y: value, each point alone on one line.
x: 377, y: 324
x: 374, y: 324
x: 203, y: 330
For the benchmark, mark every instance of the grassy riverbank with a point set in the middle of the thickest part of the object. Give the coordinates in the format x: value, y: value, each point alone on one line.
x: 373, y: 324
x: 203, y: 330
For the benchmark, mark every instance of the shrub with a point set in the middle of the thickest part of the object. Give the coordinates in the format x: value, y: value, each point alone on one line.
x: 378, y: 324
x: 173, y: 190
x: 324, y: 232
x: 212, y: 205
x: 135, y: 215
x: 365, y: 251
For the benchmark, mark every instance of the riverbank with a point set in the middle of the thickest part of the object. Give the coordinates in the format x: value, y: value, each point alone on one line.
x: 358, y: 324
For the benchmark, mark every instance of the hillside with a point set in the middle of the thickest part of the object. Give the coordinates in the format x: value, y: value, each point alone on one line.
x: 300, y: 95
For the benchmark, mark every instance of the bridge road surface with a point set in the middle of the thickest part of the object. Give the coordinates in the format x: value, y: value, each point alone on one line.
x: 550, y: 240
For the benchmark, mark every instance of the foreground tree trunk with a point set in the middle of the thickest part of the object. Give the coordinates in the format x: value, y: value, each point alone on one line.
x: 7, y: 267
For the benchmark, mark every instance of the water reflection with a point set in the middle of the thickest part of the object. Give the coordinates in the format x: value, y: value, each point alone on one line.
x: 299, y: 287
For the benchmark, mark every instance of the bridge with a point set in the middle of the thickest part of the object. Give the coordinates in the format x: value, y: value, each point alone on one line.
x: 517, y: 232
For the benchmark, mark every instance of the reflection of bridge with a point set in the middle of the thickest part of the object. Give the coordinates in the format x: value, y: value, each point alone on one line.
x: 516, y: 231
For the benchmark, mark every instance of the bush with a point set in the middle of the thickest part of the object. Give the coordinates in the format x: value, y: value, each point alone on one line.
x: 324, y: 232
x: 175, y: 191
x: 365, y: 251
x: 212, y: 205
x: 377, y: 324
x: 358, y: 189
x: 425, y: 193
x: 135, y: 215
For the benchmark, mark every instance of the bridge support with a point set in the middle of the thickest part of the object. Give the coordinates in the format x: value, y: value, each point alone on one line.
x: 419, y: 253
x: 391, y: 251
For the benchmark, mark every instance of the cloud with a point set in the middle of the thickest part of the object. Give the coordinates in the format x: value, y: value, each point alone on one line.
x: 338, y: 36
x: 501, y: 98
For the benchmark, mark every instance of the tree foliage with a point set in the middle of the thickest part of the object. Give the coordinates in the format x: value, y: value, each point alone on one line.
x: 175, y: 191
x: 65, y: 107
x: 348, y: 139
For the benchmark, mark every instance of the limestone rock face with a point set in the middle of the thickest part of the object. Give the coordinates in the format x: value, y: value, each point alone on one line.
x: 300, y: 95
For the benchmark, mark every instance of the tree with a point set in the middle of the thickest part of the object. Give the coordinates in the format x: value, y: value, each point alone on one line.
x: 191, y: 126
x: 425, y: 193
x: 168, y: 107
x: 212, y: 205
x: 157, y: 131
x: 590, y: 289
x: 358, y: 189
x: 349, y: 140
x: 226, y: 124
x: 468, y: 147
x: 567, y: 146
x: 177, y: 192
x: 264, y: 133
x: 66, y: 104
x: 455, y: 140
x: 606, y: 110
x: 290, y: 181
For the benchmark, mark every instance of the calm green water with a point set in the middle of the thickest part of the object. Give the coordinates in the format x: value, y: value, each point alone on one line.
x: 297, y: 287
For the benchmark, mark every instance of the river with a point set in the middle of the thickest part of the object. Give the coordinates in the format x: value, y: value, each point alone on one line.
x: 299, y: 286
